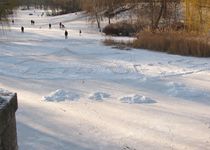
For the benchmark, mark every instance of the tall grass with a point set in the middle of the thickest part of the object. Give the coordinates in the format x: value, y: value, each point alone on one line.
x: 181, y: 43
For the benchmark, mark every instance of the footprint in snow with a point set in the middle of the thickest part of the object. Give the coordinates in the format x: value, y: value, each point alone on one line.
x: 150, y: 64
x: 127, y: 148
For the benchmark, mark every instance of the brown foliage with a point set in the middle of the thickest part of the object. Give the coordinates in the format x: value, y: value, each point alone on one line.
x: 120, y: 29
x: 182, y: 43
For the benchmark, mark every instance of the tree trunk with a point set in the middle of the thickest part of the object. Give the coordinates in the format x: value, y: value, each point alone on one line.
x: 98, y: 21
x: 163, y: 6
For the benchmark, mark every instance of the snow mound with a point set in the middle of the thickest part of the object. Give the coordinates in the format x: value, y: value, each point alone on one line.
x: 99, y: 96
x: 137, y: 99
x: 6, y: 95
x: 180, y: 90
x: 4, y: 92
x: 61, y: 95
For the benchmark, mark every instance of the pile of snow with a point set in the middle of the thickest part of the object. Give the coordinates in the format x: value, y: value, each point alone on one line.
x: 5, y: 94
x: 61, y: 95
x: 99, y: 96
x: 137, y: 99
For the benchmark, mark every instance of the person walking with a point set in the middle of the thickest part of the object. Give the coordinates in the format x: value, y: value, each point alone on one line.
x: 80, y: 32
x: 50, y: 26
x: 32, y: 22
x: 22, y: 29
x: 66, y: 34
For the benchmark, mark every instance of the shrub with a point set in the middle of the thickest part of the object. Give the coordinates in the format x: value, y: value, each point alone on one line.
x: 120, y: 29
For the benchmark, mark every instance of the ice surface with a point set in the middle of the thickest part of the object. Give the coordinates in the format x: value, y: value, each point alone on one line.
x: 169, y: 89
x: 181, y: 90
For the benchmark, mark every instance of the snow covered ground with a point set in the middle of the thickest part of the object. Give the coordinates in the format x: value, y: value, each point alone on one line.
x: 77, y: 94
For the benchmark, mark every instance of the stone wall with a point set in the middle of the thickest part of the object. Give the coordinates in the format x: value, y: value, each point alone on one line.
x: 8, y: 134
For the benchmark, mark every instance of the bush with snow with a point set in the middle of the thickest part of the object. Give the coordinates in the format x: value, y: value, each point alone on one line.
x: 61, y: 95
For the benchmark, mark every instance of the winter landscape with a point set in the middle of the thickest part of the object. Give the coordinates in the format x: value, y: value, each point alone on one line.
x: 78, y: 94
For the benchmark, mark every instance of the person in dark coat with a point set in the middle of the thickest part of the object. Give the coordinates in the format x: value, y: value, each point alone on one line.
x: 80, y: 32
x: 32, y: 22
x: 50, y: 26
x: 66, y: 34
x: 60, y: 25
x: 13, y: 21
x: 22, y: 29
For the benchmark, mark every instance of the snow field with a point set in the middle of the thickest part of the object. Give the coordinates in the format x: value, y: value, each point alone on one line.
x: 100, y: 97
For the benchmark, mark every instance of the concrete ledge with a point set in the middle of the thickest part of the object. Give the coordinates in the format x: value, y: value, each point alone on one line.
x: 8, y: 134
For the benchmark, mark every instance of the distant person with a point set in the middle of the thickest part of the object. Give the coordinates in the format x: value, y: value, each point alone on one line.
x: 66, y: 34
x: 80, y: 32
x: 61, y: 25
x: 22, y: 29
x: 50, y: 26
x: 13, y: 21
x: 32, y: 22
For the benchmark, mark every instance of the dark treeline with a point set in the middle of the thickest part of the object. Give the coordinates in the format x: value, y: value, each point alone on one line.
x: 195, y: 15
x: 147, y: 12
x: 61, y: 6
x: 6, y: 7
x: 65, y: 6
